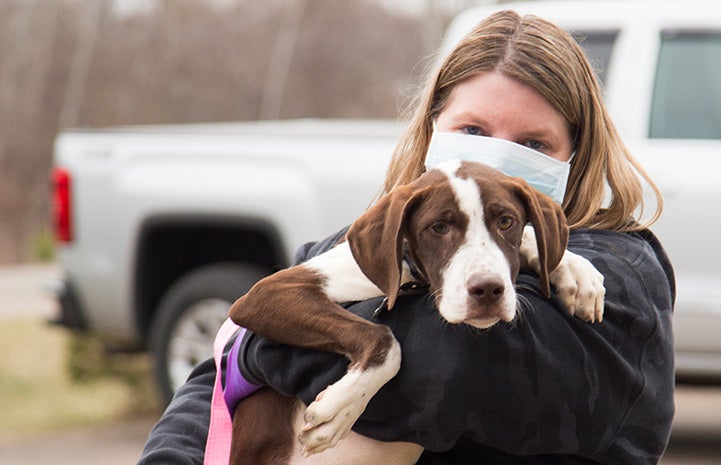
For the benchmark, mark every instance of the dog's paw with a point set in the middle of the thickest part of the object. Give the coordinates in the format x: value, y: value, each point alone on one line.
x: 330, y: 417
x: 579, y: 285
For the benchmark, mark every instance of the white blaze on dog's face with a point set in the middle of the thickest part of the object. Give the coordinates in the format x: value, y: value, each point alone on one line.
x: 467, y: 236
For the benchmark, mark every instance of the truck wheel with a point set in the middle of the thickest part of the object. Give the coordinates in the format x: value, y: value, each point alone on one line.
x: 188, y: 317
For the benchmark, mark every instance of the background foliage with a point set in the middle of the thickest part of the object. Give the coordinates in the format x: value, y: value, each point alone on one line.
x: 94, y: 63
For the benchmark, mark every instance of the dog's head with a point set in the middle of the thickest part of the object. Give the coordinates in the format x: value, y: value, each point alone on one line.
x: 463, y: 223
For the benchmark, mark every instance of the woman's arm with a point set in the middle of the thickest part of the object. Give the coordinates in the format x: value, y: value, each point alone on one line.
x: 180, y: 435
x: 547, y: 384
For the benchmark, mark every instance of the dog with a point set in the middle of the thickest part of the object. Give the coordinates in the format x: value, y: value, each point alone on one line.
x: 462, y: 229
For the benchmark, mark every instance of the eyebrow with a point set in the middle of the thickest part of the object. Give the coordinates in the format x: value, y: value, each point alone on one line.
x: 467, y: 115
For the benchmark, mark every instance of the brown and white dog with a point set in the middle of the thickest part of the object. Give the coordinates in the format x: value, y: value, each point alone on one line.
x: 463, y: 227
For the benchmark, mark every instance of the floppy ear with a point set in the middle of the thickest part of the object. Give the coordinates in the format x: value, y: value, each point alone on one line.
x: 376, y: 240
x: 551, y: 228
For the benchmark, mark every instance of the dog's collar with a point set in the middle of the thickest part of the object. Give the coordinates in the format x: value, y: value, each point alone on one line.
x: 416, y: 273
x: 409, y: 288
x: 419, y: 284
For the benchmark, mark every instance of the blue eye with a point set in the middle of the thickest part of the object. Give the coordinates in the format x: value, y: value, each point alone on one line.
x: 535, y: 145
x: 472, y: 130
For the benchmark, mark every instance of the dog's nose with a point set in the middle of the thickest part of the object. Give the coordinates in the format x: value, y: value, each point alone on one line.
x: 485, y: 289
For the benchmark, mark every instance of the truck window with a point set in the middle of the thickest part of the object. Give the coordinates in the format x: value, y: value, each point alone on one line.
x: 598, y: 46
x: 686, y: 100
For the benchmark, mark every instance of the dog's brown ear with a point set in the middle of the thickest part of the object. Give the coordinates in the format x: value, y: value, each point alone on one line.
x: 376, y: 240
x: 551, y: 228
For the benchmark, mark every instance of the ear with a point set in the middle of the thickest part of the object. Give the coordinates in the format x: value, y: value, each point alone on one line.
x: 376, y: 240
x: 550, y: 226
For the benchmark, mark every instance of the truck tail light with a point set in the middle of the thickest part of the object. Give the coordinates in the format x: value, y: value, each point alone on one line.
x: 62, y: 208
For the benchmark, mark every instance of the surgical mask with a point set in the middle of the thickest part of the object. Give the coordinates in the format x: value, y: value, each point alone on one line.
x: 542, y: 172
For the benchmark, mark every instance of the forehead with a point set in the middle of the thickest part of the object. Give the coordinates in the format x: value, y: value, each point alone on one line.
x: 503, y: 105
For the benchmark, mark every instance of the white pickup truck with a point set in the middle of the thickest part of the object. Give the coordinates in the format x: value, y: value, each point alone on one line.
x: 162, y: 227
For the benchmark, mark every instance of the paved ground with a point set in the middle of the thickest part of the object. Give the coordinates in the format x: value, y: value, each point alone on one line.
x: 696, y: 441
x: 116, y: 444
x: 696, y: 437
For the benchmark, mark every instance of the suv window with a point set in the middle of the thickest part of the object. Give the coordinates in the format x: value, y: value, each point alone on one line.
x: 687, y: 93
x: 598, y: 46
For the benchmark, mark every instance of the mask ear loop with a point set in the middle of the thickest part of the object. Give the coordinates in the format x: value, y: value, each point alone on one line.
x: 433, y: 127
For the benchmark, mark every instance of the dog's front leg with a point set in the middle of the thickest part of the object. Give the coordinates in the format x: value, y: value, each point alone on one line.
x: 298, y: 307
x: 577, y: 283
x: 330, y: 417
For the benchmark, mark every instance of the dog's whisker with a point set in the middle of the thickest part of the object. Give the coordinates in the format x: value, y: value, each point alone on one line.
x: 437, y: 294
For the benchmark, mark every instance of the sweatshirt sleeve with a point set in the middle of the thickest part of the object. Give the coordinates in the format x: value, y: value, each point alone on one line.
x: 548, y: 387
x: 179, y: 437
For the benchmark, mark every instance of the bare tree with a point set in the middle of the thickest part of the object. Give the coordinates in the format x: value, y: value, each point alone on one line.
x: 73, y: 63
x: 81, y: 61
x: 284, y: 46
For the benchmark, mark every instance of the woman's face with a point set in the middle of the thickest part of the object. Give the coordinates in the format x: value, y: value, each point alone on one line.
x: 493, y: 105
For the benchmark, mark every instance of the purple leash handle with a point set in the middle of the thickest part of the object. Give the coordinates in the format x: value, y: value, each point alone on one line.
x: 236, y: 386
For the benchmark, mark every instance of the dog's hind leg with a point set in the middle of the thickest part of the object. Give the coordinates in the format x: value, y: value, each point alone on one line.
x: 263, y: 430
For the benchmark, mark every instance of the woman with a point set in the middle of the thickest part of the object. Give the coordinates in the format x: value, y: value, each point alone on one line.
x: 550, y: 388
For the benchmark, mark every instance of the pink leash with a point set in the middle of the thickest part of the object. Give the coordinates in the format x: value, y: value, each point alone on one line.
x: 217, y: 448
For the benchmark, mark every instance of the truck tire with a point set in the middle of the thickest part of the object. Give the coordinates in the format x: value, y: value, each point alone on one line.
x: 188, y: 317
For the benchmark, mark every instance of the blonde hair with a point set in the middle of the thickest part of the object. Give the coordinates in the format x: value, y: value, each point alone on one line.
x: 543, y: 56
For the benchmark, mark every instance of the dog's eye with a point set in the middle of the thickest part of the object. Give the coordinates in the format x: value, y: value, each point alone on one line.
x: 440, y: 227
x: 505, y: 223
